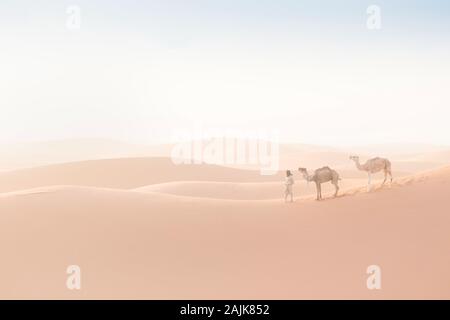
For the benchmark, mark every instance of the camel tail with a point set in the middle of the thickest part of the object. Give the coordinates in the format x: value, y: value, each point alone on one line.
x: 388, y: 169
x: 337, y: 174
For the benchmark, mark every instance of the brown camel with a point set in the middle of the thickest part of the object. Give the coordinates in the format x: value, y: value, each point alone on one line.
x: 320, y: 176
x: 373, y: 166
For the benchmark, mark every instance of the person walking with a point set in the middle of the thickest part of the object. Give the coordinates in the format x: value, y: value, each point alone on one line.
x: 289, y: 182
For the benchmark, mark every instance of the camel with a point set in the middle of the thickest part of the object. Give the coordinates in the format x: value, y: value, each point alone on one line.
x: 320, y: 176
x: 373, y: 166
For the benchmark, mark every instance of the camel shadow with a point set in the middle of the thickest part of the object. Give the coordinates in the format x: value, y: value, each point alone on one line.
x: 357, y: 191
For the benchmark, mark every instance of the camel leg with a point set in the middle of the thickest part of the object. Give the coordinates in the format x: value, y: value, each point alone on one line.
x: 320, y: 191
x: 369, y: 185
x: 317, y: 191
x: 385, y: 177
x: 337, y: 189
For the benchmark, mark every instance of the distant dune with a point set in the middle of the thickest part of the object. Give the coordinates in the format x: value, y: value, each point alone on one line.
x: 131, y: 173
x: 126, y: 173
x: 137, y: 245
x: 34, y: 154
x: 407, y: 159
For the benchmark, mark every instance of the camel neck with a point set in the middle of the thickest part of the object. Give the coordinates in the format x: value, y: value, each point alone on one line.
x: 308, y: 177
x: 358, y: 165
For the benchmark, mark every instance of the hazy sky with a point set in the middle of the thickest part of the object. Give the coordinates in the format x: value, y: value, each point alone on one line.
x: 141, y: 70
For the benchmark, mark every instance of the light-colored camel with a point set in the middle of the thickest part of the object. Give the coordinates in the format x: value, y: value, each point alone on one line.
x: 320, y: 176
x: 373, y: 166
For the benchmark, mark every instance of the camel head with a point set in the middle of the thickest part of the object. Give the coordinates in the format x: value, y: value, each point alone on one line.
x: 303, y: 171
x: 354, y: 158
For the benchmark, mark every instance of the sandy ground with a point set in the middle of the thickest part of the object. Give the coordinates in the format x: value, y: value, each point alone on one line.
x: 143, y: 229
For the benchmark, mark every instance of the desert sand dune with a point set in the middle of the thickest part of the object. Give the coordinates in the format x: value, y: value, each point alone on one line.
x: 218, y: 190
x: 241, y: 191
x: 125, y: 173
x: 405, y: 161
x: 130, y: 173
x: 402, y: 166
x: 34, y: 154
x: 149, y: 245
x: 44, y: 153
x: 185, y: 179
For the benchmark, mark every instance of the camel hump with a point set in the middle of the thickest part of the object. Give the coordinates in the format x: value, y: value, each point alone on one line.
x: 323, y: 170
x: 379, y: 159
